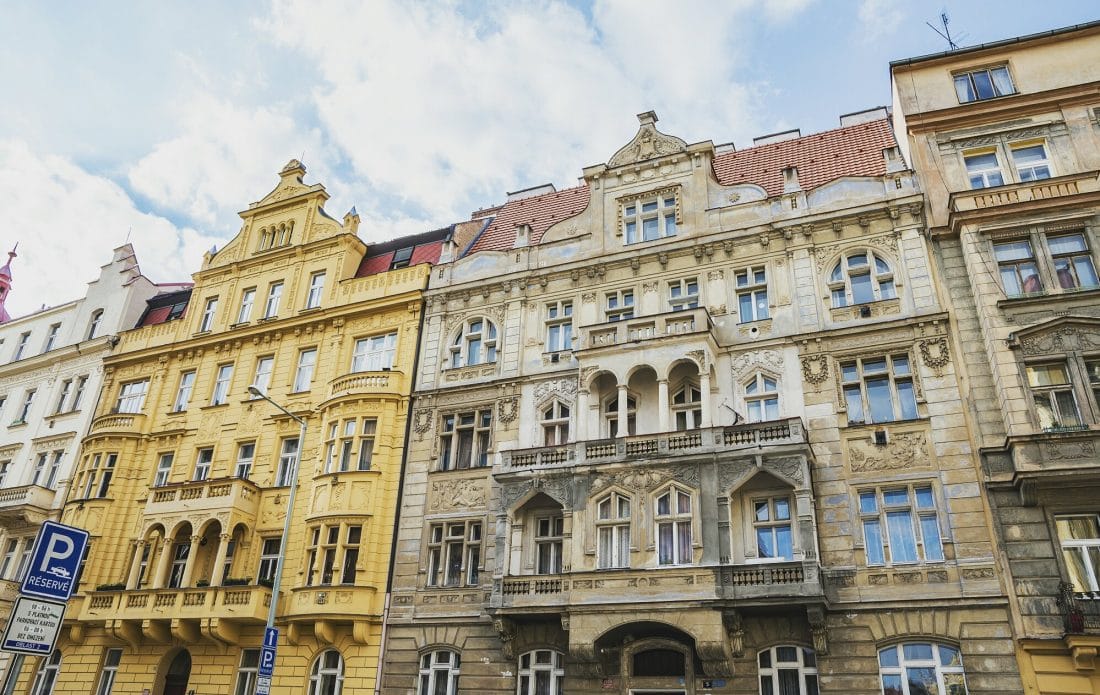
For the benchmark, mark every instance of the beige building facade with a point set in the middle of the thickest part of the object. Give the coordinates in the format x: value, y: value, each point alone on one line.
x: 184, y: 479
x: 1006, y: 140
x: 695, y: 426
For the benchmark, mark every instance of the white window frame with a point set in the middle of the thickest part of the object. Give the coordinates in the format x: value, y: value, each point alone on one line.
x: 204, y: 461
x: 21, y: 346
x: 879, y: 278
x: 247, y: 671
x: 687, y: 411
x: 303, y: 372
x: 325, y: 679
x: 610, y: 412
x: 350, y: 445
x: 619, y: 305
x: 613, y: 521
x: 316, y: 289
x: 650, y: 217
x: 475, y: 344
x: 536, y: 676
x: 1028, y: 172
x: 433, y: 667
x: 222, y: 382
x: 131, y: 396
x: 288, y: 461
x: 374, y: 353
x: 1062, y: 409
x: 1080, y: 553
x: 966, y: 80
x: 549, y: 543
x: 78, y: 395
x: 450, y: 541
x: 183, y: 391
x: 164, y: 468
x: 269, y: 560
x: 63, y: 396
x: 916, y: 523
x: 93, y: 323
x: 860, y: 387
x: 28, y: 403
x: 761, y: 396
x: 893, y: 663
x: 265, y: 366
x: 981, y: 173
x: 246, y: 457
x: 274, y: 296
x: 559, y: 326
x: 752, y: 294
x: 683, y: 294
x: 771, y: 668
x: 51, y: 337
x: 45, y: 678
x: 248, y: 298
x: 210, y: 308
x: 111, y: 660
x: 767, y: 518
x: 455, y: 427
x: 675, y: 519
x: 555, y: 423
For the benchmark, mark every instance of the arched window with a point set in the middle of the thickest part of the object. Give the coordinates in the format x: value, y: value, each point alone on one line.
x: 762, y: 399
x: 613, y: 531
x: 439, y: 673
x: 917, y: 668
x: 46, y: 676
x: 687, y: 407
x: 93, y: 324
x: 859, y: 278
x: 555, y: 423
x: 540, y: 673
x: 788, y: 670
x: 611, y: 416
x: 327, y: 675
x: 674, y: 527
x: 476, y: 343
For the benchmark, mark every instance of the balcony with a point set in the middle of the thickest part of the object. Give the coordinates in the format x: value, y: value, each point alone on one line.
x: 785, y: 582
x: 775, y: 433
x: 387, y: 382
x: 645, y: 328
x: 239, y: 496
x: 240, y: 604
x: 29, y: 504
x: 1080, y: 610
x: 118, y: 423
x: 332, y: 601
x: 966, y: 205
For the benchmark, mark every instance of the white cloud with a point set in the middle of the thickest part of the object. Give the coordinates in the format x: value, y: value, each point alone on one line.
x: 880, y: 18
x: 67, y: 220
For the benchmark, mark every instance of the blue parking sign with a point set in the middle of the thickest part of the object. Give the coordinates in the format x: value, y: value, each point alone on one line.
x: 55, y: 561
x: 267, y: 654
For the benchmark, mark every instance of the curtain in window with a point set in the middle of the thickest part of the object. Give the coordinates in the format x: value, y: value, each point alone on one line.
x: 903, y: 545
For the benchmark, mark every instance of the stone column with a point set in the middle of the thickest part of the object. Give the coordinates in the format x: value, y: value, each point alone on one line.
x: 165, y: 561
x: 189, y: 567
x: 216, y: 576
x: 133, y: 580
x: 662, y: 405
x: 704, y: 396
x: 623, y: 418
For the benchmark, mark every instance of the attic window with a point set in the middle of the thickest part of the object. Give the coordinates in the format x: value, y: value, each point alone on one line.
x: 650, y: 216
x: 987, y: 83
x: 176, y: 311
x: 276, y: 235
x: 401, y: 258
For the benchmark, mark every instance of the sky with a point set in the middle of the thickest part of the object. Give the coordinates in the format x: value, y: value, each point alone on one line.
x: 157, y: 122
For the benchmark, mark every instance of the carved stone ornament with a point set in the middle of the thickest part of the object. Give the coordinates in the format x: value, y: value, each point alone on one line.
x: 1061, y: 339
x: 816, y: 617
x: 735, y: 632
x: 456, y: 494
x: 508, y: 408
x: 506, y: 629
x: 422, y: 420
x: 905, y: 450
x: 565, y: 387
x: 815, y: 368
x: 638, y: 480
x: 648, y: 143
x: 1068, y: 450
x: 934, y: 353
x: 747, y: 362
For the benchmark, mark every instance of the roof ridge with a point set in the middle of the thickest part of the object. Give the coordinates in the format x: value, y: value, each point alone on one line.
x: 864, y: 125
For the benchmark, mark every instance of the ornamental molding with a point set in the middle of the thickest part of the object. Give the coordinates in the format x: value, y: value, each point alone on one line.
x: 750, y: 362
x: 887, y: 242
x: 449, y: 495
x: 648, y: 143
x: 555, y: 387
x: 904, y: 450
x: 1061, y: 339
x: 815, y: 368
x: 950, y: 144
x: 1068, y: 450
x: 508, y: 408
x: 934, y: 354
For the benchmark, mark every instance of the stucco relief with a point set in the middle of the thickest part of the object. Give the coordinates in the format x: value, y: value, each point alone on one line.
x: 904, y: 450
x: 422, y: 422
x: 508, y: 409
x: 559, y: 488
x: 648, y: 143
x: 882, y: 242
x: 1068, y: 450
x: 566, y: 387
x: 749, y: 362
x: 447, y: 495
x: 815, y: 368
x: 1061, y: 339
x: 934, y: 354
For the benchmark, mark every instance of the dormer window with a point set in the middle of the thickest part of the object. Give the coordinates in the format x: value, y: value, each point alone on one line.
x: 987, y: 83
x: 650, y: 216
x: 176, y: 310
x: 401, y: 258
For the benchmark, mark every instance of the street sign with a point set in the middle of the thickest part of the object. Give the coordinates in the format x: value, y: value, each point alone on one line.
x: 267, y: 655
x: 263, y: 685
x: 33, y: 626
x: 55, y: 561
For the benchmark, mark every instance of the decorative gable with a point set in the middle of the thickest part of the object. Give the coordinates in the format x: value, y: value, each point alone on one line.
x: 1066, y: 334
x: 649, y: 143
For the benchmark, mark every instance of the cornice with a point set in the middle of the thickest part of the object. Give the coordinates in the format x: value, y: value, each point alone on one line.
x: 978, y: 113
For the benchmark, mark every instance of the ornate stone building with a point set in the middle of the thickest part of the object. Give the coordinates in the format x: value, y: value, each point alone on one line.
x: 184, y: 477
x: 49, y: 381
x: 1006, y: 139
x: 695, y: 426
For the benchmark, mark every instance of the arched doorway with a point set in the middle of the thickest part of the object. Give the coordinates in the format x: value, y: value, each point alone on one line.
x: 179, y: 671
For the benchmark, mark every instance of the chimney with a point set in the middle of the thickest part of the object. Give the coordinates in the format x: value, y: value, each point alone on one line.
x: 790, y: 179
x: 523, y: 235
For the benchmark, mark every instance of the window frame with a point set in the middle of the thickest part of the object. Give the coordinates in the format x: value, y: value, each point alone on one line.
x: 261, y: 373
x: 274, y: 298
x: 442, y: 542
x: 93, y: 323
x: 1058, y: 422
x: 432, y: 668
x: 676, y: 520
x: 528, y: 670
x: 903, y: 662
x: 559, y: 325
x: 988, y: 70
x: 45, y: 676
x: 184, y: 389
x: 662, y: 207
x: 245, y: 462
x: 350, y: 440
x: 204, y: 462
x: 481, y: 344
x: 759, y: 399
x: 619, y: 305
x: 165, y: 461
x: 1083, y: 574
x: 108, y: 671
x: 751, y: 286
x: 555, y: 420
x: 452, y: 429
x: 687, y: 415
x: 920, y: 518
x: 804, y: 664
x: 131, y: 396
x: 320, y: 673
x: 288, y: 462
x: 209, y: 310
x: 247, y: 672
x: 772, y: 524
x: 316, y: 289
x: 882, y: 284
x: 378, y: 350
x: 302, y: 369
x: 548, y: 542
x: 903, y: 405
x: 684, y: 294
x: 618, y: 530
x: 248, y: 300
x: 51, y: 337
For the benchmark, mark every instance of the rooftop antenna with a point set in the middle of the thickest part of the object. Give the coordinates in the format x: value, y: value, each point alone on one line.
x: 128, y: 233
x: 946, y: 33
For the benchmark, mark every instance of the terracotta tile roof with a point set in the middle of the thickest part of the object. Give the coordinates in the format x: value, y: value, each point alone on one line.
x: 426, y: 249
x: 160, y: 307
x: 821, y: 157
x: 539, y: 211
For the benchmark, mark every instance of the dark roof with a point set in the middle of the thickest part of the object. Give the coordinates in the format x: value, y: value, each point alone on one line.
x: 426, y: 247
x: 995, y: 44
x: 158, y: 308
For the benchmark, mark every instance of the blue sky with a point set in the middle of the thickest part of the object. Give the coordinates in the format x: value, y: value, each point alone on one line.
x: 160, y: 121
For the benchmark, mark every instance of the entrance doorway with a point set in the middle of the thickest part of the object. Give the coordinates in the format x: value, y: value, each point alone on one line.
x: 179, y: 671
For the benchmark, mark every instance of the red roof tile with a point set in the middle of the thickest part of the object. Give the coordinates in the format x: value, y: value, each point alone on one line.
x: 422, y: 253
x: 539, y: 211
x: 427, y: 253
x: 155, y: 316
x: 822, y: 157
x: 374, y: 264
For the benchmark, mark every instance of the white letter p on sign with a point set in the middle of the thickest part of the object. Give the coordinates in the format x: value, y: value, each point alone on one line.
x: 53, y: 553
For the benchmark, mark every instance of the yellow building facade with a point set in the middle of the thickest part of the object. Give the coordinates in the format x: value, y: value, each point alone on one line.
x: 183, y: 480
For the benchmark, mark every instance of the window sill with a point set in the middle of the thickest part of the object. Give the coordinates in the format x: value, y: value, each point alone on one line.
x: 60, y: 416
x: 460, y: 470
x: 239, y: 324
x: 883, y: 424
x: 267, y: 319
x: 200, y: 334
x: 988, y: 99
x: 215, y: 405
x: 334, y: 476
x: 16, y: 424
x: 1045, y: 296
x: 311, y: 310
